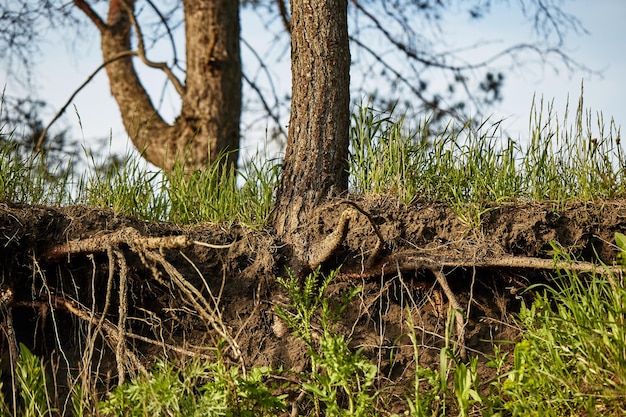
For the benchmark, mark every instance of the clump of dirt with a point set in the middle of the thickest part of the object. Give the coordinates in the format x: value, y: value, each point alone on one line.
x: 79, y: 280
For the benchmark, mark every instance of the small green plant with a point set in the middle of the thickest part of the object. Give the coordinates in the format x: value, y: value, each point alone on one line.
x: 466, y: 386
x: 199, y: 388
x: 424, y: 403
x: 340, y: 381
x: 34, y: 390
x: 572, y: 359
x: 33, y: 385
x: 79, y: 400
x: 432, y: 395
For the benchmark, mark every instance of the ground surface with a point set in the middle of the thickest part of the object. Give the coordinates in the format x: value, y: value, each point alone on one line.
x: 62, y: 270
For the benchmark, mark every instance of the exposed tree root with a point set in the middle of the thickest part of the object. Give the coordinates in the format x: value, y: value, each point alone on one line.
x: 111, y: 330
x: 210, y: 315
x: 415, y: 260
x: 322, y: 251
x: 6, y: 307
x: 150, y: 252
x: 114, y: 335
x: 127, y: 236
x: 458, y: 311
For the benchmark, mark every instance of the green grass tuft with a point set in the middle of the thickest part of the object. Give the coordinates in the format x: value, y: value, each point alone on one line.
x: 474, y: 166
x: 572, y: 359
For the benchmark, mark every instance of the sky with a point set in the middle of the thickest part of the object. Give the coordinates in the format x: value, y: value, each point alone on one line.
x: 601, y: 50
x: 94, y: 114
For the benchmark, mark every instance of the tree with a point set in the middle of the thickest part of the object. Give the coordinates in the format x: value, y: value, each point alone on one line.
x: 404, y: 56
x: 211, y: 95
x: 316, y: 159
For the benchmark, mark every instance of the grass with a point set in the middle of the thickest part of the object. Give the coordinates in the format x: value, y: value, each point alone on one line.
x: 200, y: 388
x: 572, y: 356
x: 471, y: 167
x: 576, y: 342
x: 474, y: 166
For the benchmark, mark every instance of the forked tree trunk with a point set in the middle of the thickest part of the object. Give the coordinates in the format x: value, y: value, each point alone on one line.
x: 316, y: 159
x: 211, y: 99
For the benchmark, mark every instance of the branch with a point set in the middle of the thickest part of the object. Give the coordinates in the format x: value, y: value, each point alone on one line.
x: 549, y: 17
x: 178, y: 85
x: 543, y: 9
x: 401, y: 46
x: 257, y: 90
x: 284, y: 15
x: 91, y: 14
x: 168, y: 30
x: 410, y: 85
x: 264, y: 103
x: 75, y: 93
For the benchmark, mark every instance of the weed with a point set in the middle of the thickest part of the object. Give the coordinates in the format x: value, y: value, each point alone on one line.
x: 200, y: 388
x: 572, y: 358
x: 340, y: 381
x: 33, y: 385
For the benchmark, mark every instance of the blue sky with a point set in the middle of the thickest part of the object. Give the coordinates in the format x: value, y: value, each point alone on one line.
x: 62, y: 68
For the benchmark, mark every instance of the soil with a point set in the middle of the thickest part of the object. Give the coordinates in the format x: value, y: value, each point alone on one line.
x: 194, y: 287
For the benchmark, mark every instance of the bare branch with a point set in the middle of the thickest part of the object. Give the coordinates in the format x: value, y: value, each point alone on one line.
x: 548, y: 17
x: 257, y: 90
x: 141, y: 52
x: 269, y: 111
x: 167, y: 28
x: 388, y: 67
x: 91, y: 14
x: 75, y: 93
x: 400, y: 45
x: 284, y: 14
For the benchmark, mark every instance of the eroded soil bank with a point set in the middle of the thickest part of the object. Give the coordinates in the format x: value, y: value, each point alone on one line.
x: 186, y: 288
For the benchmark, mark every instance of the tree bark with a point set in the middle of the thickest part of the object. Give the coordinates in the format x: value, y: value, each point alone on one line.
x: 211, y: 99
x: 316, y: 159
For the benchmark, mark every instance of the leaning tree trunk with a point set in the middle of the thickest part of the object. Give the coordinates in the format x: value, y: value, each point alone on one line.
x: 211, y: 99
x: 316, y: 159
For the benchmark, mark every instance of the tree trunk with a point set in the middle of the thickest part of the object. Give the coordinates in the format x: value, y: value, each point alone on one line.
x: 211, y: 99
x: 316, y: 159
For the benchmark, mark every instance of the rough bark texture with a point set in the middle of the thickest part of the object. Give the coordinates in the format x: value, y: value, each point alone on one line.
x: 211, y: 99
x: 316, y: 164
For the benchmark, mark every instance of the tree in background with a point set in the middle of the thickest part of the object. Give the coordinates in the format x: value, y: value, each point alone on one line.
x: 396, y: 49
x: 208, y: 123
